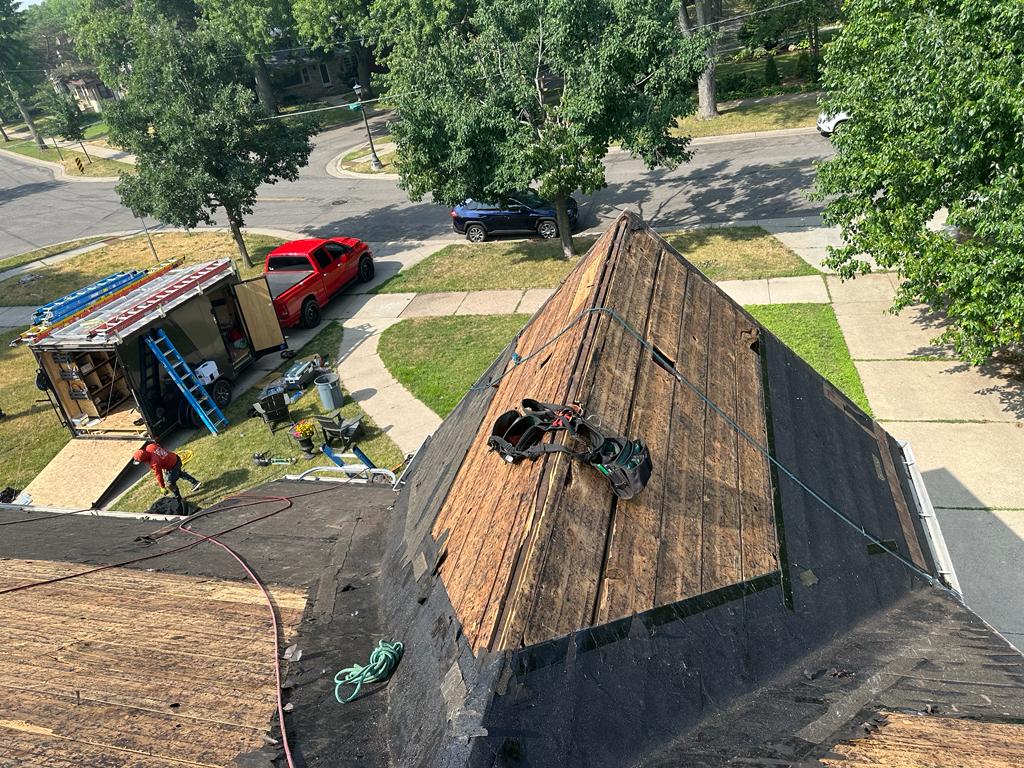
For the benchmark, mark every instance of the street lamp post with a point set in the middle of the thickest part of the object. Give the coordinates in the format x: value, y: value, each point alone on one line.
x: 375, y: 162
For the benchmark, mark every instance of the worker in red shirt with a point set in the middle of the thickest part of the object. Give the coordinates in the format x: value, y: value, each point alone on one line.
x: 162, y: 461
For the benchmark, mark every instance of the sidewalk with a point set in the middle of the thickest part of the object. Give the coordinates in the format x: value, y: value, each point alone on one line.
x: 97, y: 150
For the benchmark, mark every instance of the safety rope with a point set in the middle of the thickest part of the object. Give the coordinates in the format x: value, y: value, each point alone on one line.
x: 383, y: 660
x: 761, y: 448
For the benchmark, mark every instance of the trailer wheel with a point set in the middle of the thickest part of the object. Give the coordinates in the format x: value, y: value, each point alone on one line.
x: 220, y: 391
x: 310, y: 313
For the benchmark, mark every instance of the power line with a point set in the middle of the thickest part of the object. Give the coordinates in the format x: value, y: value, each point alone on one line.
x: 747, y: 15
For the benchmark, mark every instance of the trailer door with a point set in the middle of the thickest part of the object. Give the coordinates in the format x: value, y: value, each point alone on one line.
x: 257, y: 309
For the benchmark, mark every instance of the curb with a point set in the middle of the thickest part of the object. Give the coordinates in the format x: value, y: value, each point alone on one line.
x: 58, y: 170
x: 338, y: 173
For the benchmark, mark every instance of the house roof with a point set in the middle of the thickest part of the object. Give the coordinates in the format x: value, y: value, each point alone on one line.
x: 170, y: 661
x: 773, y: 587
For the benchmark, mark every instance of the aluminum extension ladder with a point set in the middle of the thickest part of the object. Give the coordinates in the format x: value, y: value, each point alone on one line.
x: 187, y: 381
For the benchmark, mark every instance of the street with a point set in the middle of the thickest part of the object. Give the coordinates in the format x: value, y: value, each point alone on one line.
x: 725, y: 181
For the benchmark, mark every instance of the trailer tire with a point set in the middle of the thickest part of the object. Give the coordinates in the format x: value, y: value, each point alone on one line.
x: 220, y: 391
x: 310, y: 313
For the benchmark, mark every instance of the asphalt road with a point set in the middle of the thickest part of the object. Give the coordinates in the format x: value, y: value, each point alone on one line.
x: 725, y: 181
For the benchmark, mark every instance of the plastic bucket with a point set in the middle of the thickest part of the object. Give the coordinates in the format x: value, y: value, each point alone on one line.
x: 329, y: 388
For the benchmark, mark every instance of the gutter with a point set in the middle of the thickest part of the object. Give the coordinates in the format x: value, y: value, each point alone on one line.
x: 932, y: 529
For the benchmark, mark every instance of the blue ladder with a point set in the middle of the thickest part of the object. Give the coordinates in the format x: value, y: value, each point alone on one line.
x: 187, y: 382
x: 67, y: 305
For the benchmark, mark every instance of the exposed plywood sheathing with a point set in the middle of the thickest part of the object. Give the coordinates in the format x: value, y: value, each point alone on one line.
x: 130, y: 668
x: 535, y: 550
x: 83, y: 470
x: 916, y: 741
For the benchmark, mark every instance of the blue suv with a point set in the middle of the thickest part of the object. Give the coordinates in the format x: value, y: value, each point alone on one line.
x: 520, y: 213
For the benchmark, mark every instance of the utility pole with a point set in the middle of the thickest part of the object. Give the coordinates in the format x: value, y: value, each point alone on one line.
x: 375, y: 162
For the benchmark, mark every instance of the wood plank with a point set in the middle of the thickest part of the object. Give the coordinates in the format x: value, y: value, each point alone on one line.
x: 906, y: 522
x: 83, y: 470
x: 630, y: 573
x: 136, y: 668
x: 565, y: 597
x: 485, y: 520
x: 720, y: 551
x: 757, y: 515
x: 679, y: 561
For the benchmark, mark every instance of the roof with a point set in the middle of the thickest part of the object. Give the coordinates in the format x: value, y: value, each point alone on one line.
x: 308, y: 245
x: 110, y: 320
x: 170, y: 661
x: 772, y: 588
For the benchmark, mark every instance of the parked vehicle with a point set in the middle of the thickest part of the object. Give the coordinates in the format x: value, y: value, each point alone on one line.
x: 521, y: 213
x: 828, y: 124
x: 305, y: 274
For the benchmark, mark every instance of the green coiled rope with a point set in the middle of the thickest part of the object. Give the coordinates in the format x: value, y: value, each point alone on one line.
x: 383, y: 660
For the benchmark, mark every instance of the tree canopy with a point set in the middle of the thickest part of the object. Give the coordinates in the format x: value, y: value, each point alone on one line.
x: 19, y: 69
x: 201, y: 140
x: 328, y: 24
x: 936, y: 90
x: 496, y: 95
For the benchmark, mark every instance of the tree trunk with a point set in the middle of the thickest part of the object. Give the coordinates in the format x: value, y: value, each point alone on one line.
x: 707, y: 101
x: 236, y: 233
x: 4, y: 134
x: 364, y: 63
x: 26, y: 117
x: 264, y: 88
x: 564, y: 226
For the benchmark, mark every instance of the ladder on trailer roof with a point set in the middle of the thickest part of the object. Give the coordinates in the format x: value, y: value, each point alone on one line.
x: 192, y: 280
x: 187, y: 381
x: 76, y: 300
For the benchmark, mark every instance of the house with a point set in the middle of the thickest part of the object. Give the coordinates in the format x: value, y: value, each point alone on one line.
x: 302, y: 76
x: 777, y: 595
x: 87, y: 89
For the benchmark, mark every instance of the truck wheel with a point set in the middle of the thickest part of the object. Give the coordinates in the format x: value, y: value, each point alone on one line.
x: 475, y: 233
x: 220, y: 391
x: 365, y: 269
x: 310, y: 313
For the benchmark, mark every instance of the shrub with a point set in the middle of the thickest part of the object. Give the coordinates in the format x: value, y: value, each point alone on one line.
x: 803, y: 65
x: 771, y: 72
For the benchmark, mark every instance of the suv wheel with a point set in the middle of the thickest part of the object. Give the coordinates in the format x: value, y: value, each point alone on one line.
x: 366, y: 269
x: 310, y: 313
x: 547, y: 229
x: 476, y: 233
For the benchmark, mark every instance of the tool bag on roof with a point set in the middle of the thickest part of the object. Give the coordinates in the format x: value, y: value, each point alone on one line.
x: 517, y: 436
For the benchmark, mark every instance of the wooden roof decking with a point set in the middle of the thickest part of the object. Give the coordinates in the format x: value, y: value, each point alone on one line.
x: 536, y: 550
x: 132, y: 668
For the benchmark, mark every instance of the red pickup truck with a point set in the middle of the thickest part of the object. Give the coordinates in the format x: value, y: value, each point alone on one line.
x: 304, y: 275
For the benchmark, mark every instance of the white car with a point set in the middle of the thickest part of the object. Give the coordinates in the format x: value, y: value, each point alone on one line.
x: 827, y: 124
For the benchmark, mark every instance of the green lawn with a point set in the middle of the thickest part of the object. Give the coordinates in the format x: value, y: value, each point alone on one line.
x: 224, y: 462
x: 812, y: 331
x: 387, y: 159
x: 799, y: 111
x: 41, y: 253
x: 30, y: 434
x: 133, y: 253
x: 726, y: 253
x: 738, y: 253
x: 98, y: 167
x: 439, y: 358
x: 97, y: 130
x: 326, y: 119
x: 502, y: 264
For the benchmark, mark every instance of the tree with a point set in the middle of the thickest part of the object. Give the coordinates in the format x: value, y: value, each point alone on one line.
x: 501, y: 94
x: 704, y: 19
x: 66, y: 119
x: 201, y: 141
x: 323, y: 23
x: 18, y: 69
x: 255, y: 26
x: 771, y: 71
x: 935, y: 90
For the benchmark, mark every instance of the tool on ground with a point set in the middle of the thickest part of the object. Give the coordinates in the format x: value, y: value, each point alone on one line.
x: 383, y: 661
x: 186, y: 381
x: 263, y: 460
x: 625, y: 462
